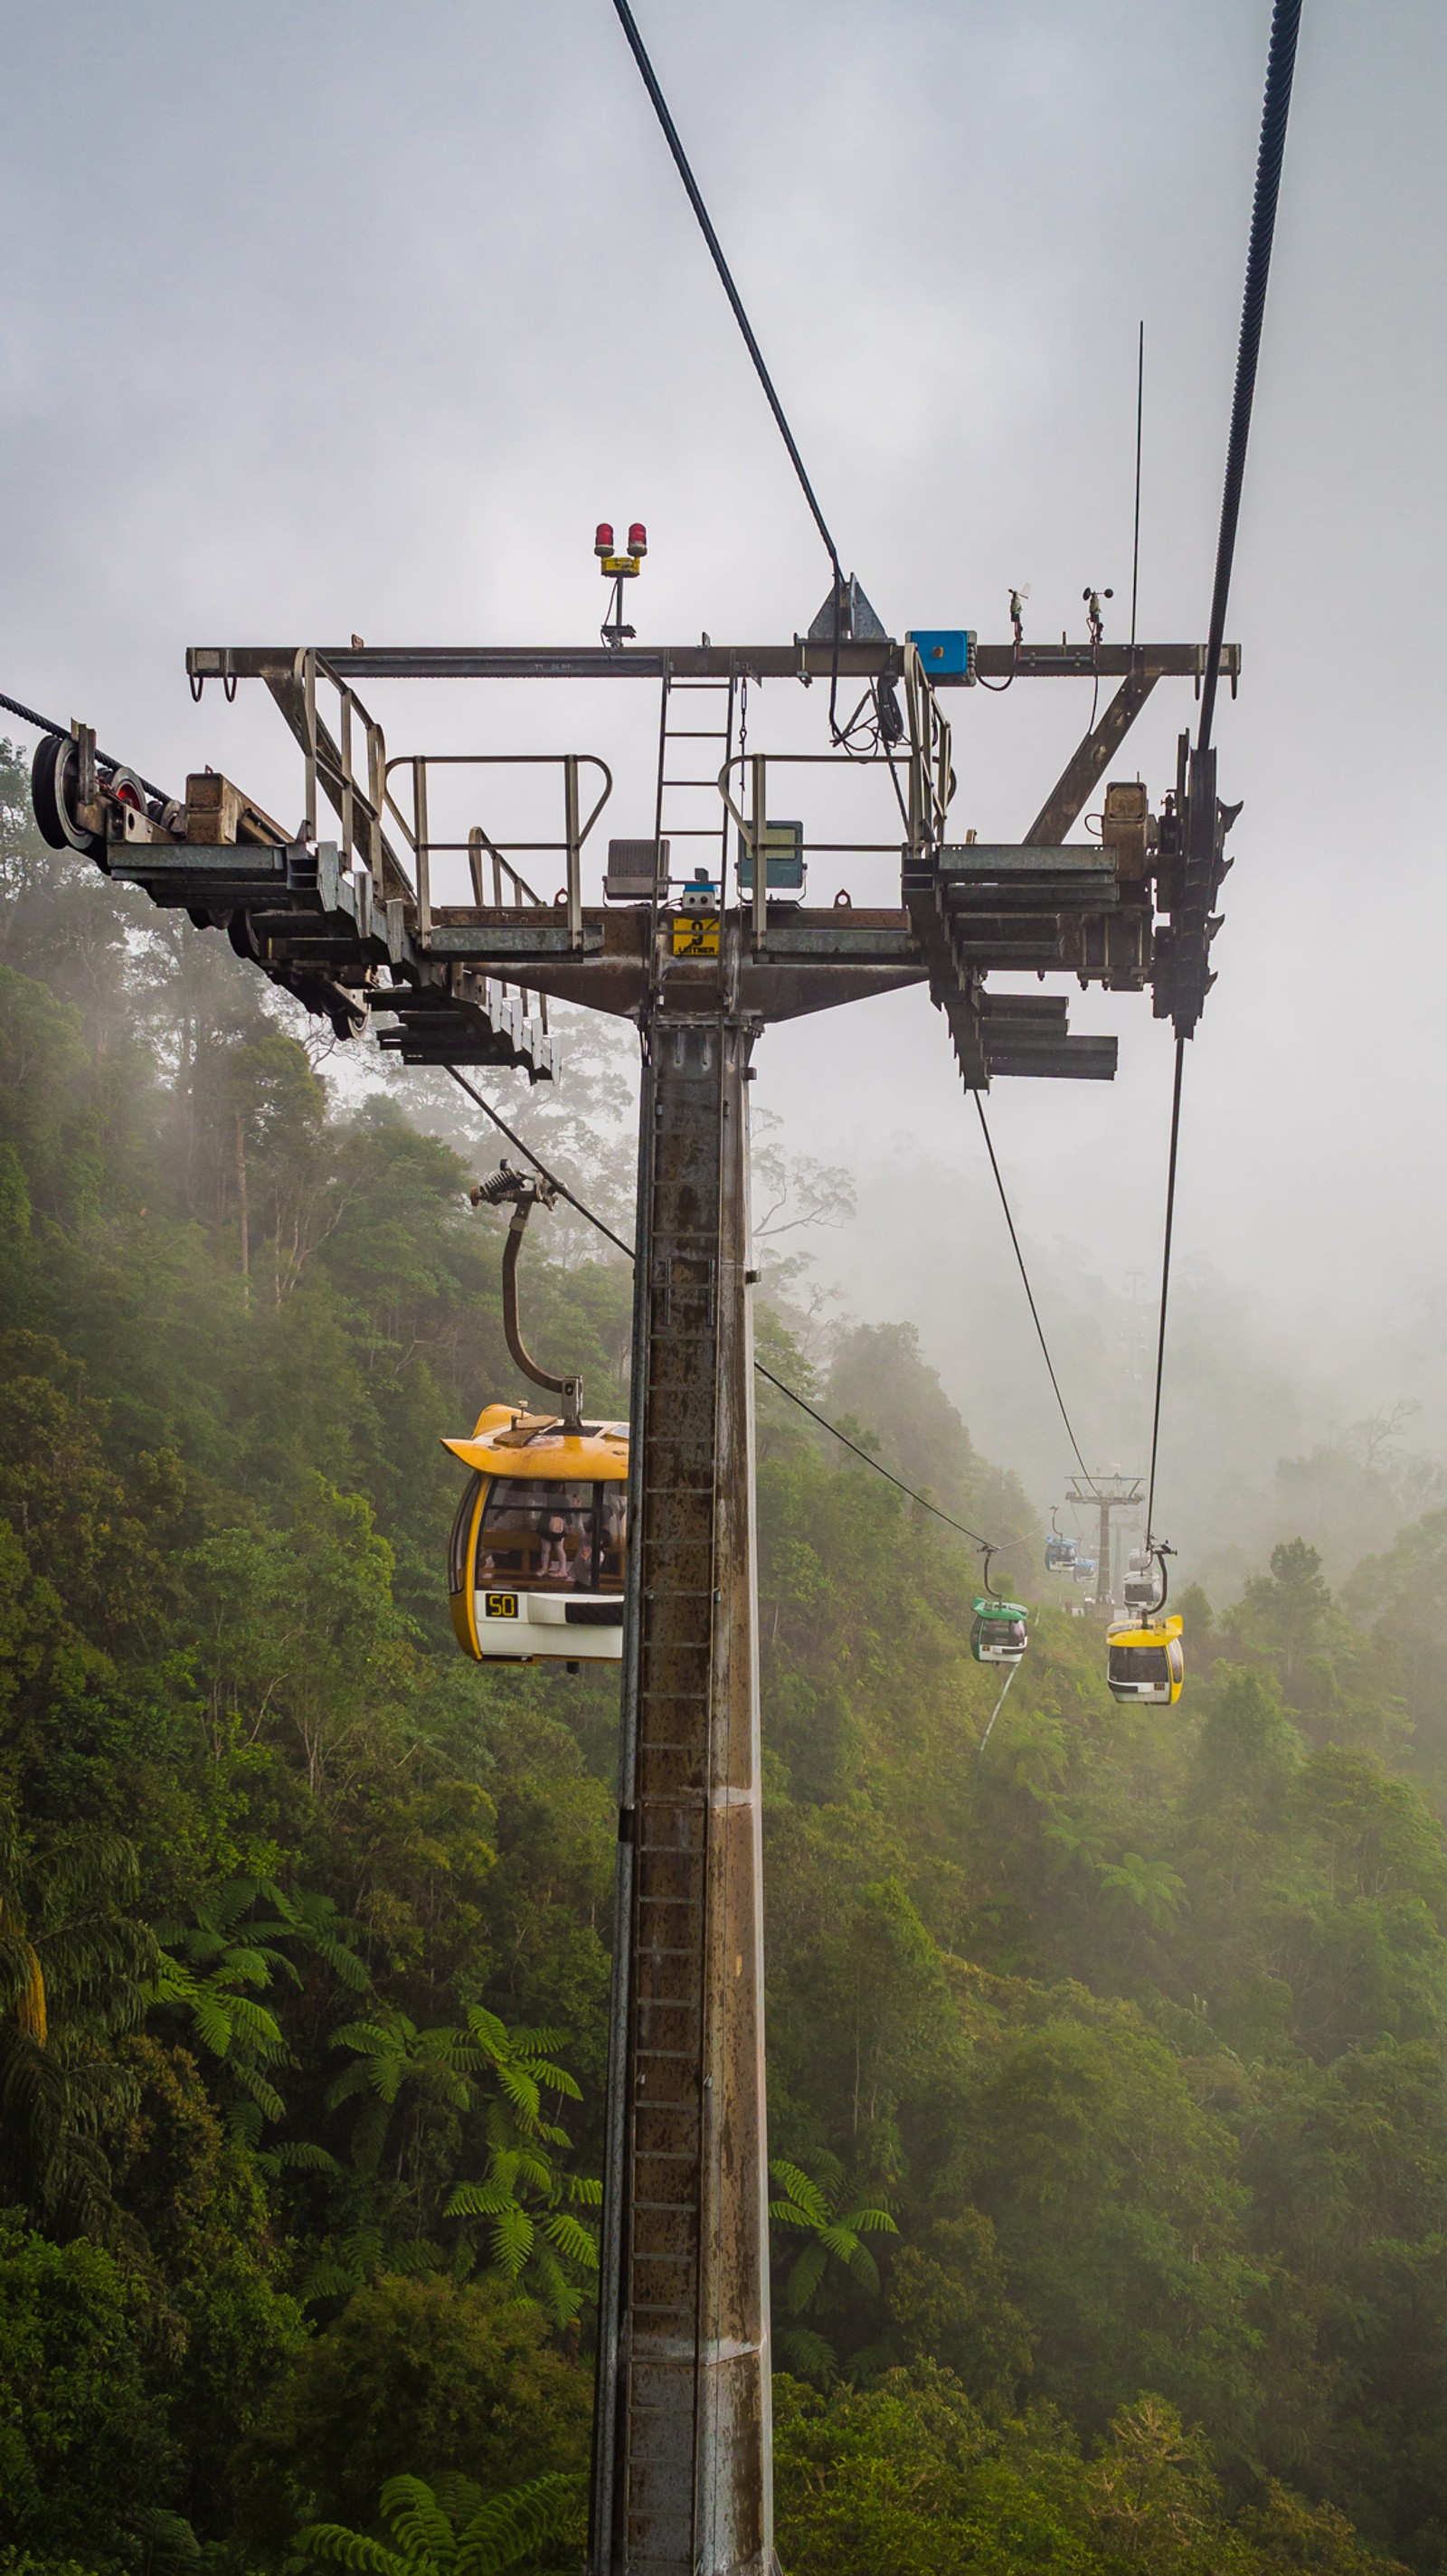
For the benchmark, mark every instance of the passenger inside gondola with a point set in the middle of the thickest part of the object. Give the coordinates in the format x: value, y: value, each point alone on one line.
x: 551, y: 1535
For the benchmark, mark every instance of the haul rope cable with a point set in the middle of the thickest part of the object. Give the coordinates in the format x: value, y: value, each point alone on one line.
x: 1281, y: 63
x: 843, y: 736
x: 992, y: 1547
x: 1030, y: 1294
x: 989, y: 1731
x: 61, y: 733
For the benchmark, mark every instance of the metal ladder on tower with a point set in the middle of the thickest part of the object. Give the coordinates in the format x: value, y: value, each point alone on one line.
x: 681, y: 2479
x: 672, y: 787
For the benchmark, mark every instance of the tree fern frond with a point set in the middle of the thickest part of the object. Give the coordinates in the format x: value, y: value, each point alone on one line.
x: 303, y: 2155
x: 509, y: 2526
x: 801, y: 2190
x: 353, y: 2079
x: 552, y: 2289
x: 344, y: 2548
x: 245, y: 2119
x: 211, y: 2021
x: 416, y: 2258
x: 513, y: 2235
x: 460, y: 2497
x: 262, y: 2093
x: 825, y: 2166
x: 478, y: 2200
x: 524, y: 2041
x: 256, y: 1965
x: 261, y: 2027
x: 173, y: 1982
x: 555, y: 2079
x: 520, y: 2089
x: 489, y: 2033
x: 171, y: 2542
x: 864, y: 2268
x: 787, y: 2213
x: 572, y: 2238
x: 372, y: 2036
x: 805, y: 2278
x: 807, y: 2355
x: 342, y: 1961
x: 417, y: 2522
x: 327, y: 2279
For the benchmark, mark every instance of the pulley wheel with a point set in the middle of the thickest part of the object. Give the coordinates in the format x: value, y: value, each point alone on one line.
x: 54, y: 775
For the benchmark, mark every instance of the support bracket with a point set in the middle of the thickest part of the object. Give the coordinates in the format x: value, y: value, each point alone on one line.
x: 1088, y: 765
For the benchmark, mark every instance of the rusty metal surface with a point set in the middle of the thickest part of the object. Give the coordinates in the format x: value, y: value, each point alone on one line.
x: 814, y: 959
x: 1089, y: 763
x: 857, y: 659
x: 682, y: 2463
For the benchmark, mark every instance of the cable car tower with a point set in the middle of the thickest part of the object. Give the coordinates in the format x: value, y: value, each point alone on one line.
x: 1105, y: 1495
x: 366, y: 924
x: 435, y: 934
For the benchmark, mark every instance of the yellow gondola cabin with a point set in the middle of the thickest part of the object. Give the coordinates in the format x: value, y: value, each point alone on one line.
x: 538, y: 1553
x: 1146, y: 1660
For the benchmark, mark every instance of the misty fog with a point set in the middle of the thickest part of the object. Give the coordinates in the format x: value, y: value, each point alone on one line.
x: 357, y: 320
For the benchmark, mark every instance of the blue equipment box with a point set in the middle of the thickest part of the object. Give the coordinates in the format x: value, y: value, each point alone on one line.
x: 783, y: 860
x: 947, y: 652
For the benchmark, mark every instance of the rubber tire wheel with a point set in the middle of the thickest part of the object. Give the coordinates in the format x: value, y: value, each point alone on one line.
x: 49, y: 785
x: 42, y: 791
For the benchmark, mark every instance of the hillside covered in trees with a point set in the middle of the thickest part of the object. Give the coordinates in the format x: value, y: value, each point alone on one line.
x: 1108, y: 2059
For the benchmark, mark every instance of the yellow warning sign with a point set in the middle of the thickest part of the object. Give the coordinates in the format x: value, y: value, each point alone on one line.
x: 695, y: 934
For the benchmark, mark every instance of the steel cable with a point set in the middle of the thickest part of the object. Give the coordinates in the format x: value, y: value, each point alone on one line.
x: 843, y: 737
x: 992, y: 1547
x: 538, y: 1164
x: 1280, y: 65
x: 1165, y: 1284
x: 1276, y: 105
x: 103, y: 760
x: 672, y: 138
x: 1029, y: 1291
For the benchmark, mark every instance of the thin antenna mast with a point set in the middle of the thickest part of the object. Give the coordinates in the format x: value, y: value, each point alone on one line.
x: 1135, y: 550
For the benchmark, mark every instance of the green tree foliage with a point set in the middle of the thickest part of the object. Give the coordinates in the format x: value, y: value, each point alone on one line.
x: 480, y: 2536
x: 1132, y: 2022
x: 808, y: 2205
x: 461, y: 2375
x: 910, y: 2477
x: 85, y: 2445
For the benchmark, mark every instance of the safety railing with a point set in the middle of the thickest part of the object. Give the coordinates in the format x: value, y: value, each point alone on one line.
x: 424, y: 846
x: 923, y: 799
x: 931, y: 774
x: 357, y: 798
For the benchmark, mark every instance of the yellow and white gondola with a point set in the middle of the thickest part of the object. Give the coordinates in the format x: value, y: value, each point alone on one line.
x: 538, y: 1555
x: 538, y: 1560
x: 1146, y: 1660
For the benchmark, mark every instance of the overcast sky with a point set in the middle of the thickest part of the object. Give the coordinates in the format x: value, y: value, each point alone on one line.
x: 351, y: 316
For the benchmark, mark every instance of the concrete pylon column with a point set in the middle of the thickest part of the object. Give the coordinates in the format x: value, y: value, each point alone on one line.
x: 682, y: 2471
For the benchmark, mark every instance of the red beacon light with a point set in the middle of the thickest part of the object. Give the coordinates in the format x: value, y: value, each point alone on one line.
x: 619, y: 568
